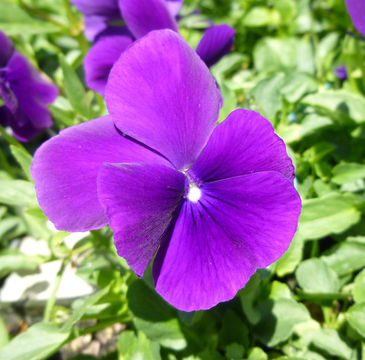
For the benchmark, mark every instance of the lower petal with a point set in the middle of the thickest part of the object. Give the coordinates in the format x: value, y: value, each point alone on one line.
x: 65, y: 170
x: 238, y: 225
x: 141, y: 202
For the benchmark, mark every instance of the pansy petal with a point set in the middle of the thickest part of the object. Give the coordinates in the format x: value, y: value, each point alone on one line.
x: 174, y: 6
x: 168, y: 102
x: 216, y: 42
x: 141, y: 202
x: 244, y: 143
x: 6, y: 49
x: 238, y: 225
x: 65, y: 170
x: 143, y: 16
x: 23, y: 130
x: 98, y: 66
x: 108, y: 8
x: 356, y: 9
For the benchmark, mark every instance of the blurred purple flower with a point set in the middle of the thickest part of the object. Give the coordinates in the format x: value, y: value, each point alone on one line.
x: 140, y: 17
x: 213, y: 203
x: 341, y: 72
x: 356, y: 9
x: 25, y: 94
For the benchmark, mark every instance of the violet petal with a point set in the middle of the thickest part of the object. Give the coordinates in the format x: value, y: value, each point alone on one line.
x: 356, y: 9
x: 216, y: 42
x: 98, y: 65
x: 65, y: 170
x: 143, y: 16
x: 244, y: 143
x: 169, y: 102
x: 238, y: 225
x: 140, y: 202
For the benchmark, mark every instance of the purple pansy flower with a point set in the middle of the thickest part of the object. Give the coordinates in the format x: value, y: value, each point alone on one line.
x: 356, y: 9
x: 212, y: 203
x: 140, y: 18
x: 25, y: 94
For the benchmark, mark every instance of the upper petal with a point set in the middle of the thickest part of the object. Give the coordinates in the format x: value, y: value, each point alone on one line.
x: 216, y: 42
x: 98, y: 66
x: 65, y: 170
x: 244, y: 143
x: 162, y: 94
x: 6, y: 49
x: 140, y: 202
x: 356, y: 9
x: 143, y: 16
x: 238, y: 225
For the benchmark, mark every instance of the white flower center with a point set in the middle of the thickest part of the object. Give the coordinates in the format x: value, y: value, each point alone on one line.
x: 194, y: 193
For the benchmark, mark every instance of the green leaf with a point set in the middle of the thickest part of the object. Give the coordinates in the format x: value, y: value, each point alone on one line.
x: 329, y: 214
x: 74, y: 89
x: 297, y: 85
x: 38, y: 343
x: 273, y: 54
x: 311, y: 124
x: 83, y: 306
x: 15, y: 21
x: 291, y: 258
x: 17, y: 192
x: 267, y: 94
x: 261, y: 16
x: 154, y: 316
x: 23, y: 158
x: 330, y: 342
x: 359, y: 287
x: 14, y: 260
x: 356, y: 318
x: 347, y: 173
x: 278, y: 318
x: 346, y: 258
x: 341, y: 105
x: 4, y: 335
x: 132, y: 347
x: 257, y: 353
x: 315, y: 276
x: 10, y: 228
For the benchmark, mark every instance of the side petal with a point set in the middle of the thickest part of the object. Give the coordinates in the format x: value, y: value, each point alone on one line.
x: 6, y: 49
x: 141, y: 202
x: 98, y: 66
x: 143, y: 16
x: 216, y: 42
x: 65, y: 170
x: 168, y: 102
x: 237, y: 226
x: 244, y: 143
x: 356, y: 9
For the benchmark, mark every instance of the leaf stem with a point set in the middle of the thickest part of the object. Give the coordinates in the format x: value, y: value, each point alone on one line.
x: 52, y: 299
